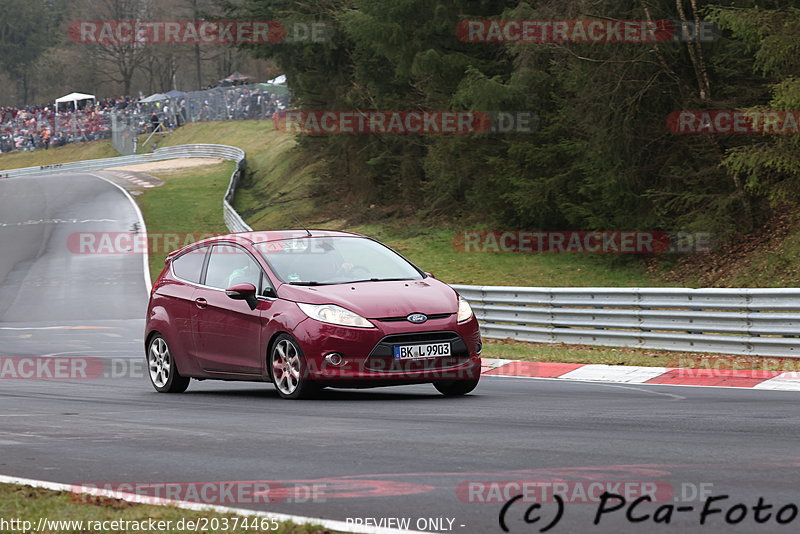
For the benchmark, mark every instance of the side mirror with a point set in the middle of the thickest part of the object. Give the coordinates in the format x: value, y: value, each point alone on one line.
x: 270, y: 293
x: 245, y: 292
x: 429, y: 275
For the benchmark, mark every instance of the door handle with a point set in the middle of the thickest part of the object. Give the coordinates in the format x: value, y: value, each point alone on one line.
x: 201, y: 303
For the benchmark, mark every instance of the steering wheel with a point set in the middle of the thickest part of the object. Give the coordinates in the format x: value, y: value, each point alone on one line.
x: 354, y: 271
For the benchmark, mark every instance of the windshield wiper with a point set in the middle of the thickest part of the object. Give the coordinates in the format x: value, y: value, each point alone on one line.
x: 378, y: 280
x: 315, y: 283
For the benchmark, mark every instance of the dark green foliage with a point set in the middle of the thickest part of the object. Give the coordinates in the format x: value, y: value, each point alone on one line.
x: 602, y: 156
x: 27, y: 30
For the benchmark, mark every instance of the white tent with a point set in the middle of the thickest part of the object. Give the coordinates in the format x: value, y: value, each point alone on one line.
x: 158, y: 97
x: 74, y: 98
x: 280, y: 80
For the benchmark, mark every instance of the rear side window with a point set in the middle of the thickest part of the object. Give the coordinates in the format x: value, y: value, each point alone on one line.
x: 189, y: 265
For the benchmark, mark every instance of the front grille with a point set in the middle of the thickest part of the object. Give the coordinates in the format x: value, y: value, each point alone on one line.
x: 421, y: 337
x: 404, y: 318
x: 381, y: 359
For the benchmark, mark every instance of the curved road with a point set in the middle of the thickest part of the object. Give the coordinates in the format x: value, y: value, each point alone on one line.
x: 396, y: 452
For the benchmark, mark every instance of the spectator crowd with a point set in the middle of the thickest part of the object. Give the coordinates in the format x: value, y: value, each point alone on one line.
x: 42, y: 127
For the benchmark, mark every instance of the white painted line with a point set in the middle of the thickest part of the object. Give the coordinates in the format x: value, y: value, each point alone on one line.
x: 159, y: 501
x: 789, y: 381
x: 615, y: 373
x: 142, y: 228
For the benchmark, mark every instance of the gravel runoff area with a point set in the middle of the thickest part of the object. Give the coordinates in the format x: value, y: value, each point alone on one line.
x: 170, y: 164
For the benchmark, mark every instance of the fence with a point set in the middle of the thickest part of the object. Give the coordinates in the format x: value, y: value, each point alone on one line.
x: 232, y: 219
x: 123, y: 134
x: 758, y: 322
x: 240, y: 102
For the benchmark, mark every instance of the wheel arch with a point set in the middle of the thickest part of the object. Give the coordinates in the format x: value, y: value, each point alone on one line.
x: 179, y: 364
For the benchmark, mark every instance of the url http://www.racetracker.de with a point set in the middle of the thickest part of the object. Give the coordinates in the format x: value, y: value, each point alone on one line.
x: 198, y: 524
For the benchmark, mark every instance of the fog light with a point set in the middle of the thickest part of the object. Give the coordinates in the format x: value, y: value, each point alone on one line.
x: 334, y: 358
x: 478, y: 348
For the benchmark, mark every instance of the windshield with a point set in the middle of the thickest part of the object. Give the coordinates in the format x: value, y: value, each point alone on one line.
x: 335, y: 260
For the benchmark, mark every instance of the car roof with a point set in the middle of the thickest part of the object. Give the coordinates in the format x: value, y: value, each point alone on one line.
x: 255, y: 238
x: 278, y: 235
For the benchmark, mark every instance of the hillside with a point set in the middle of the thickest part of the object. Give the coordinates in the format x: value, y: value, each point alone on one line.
x: 281, y: 189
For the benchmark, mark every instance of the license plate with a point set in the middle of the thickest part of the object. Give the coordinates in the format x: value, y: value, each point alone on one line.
x: 413, y: 352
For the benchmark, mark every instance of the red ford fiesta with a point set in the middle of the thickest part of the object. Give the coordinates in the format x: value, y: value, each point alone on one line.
x: 306, y: 310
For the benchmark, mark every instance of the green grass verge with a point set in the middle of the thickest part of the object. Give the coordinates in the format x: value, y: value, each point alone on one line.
x: 777, y: 266
x: 24, y: 503
x: 188, y: 204
x: 432, y: 249
x: 62, y: 154
x: 276, y: 189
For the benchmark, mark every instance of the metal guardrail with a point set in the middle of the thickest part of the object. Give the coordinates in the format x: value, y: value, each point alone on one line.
x: 757, y: 322
x: 233, y: 220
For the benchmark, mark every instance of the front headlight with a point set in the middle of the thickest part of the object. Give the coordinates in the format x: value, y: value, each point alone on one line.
x: 464, y: 310
x: 333, y: 314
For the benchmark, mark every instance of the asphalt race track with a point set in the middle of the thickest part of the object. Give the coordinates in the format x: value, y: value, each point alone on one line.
x: 398, y: 452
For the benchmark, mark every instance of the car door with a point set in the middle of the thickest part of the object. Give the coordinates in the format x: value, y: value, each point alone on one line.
x: 227, y: 332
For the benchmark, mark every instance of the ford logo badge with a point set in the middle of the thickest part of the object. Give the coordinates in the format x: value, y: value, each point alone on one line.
x: 417, y: 318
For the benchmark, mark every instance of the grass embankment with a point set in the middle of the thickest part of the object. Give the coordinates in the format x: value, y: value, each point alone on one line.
x: 189, y: 204
x: 62, y: 154
x: 767, y: 257
x: 278, y: 190
x: 22, y: 503
x: 277, y: 193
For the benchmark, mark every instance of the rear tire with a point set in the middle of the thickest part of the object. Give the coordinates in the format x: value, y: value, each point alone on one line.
x: 453, y: 388
x: 289, y: 370
x: 164, y: 373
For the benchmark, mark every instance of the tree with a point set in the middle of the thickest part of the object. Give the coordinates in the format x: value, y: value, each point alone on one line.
x: 118, y: 61
x: 26, y: 32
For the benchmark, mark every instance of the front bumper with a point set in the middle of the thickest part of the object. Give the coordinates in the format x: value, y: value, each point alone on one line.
x: 368, y: 352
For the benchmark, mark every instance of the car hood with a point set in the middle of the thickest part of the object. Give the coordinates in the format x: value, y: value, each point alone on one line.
x: 380, y: 299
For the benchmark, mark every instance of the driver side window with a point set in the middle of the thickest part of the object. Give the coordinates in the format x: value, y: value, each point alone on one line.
x: 230, y: 265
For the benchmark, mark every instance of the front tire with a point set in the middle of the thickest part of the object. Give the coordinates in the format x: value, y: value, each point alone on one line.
x: 289, y: 370
x: 453, y: 388
x: 164, y: 373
